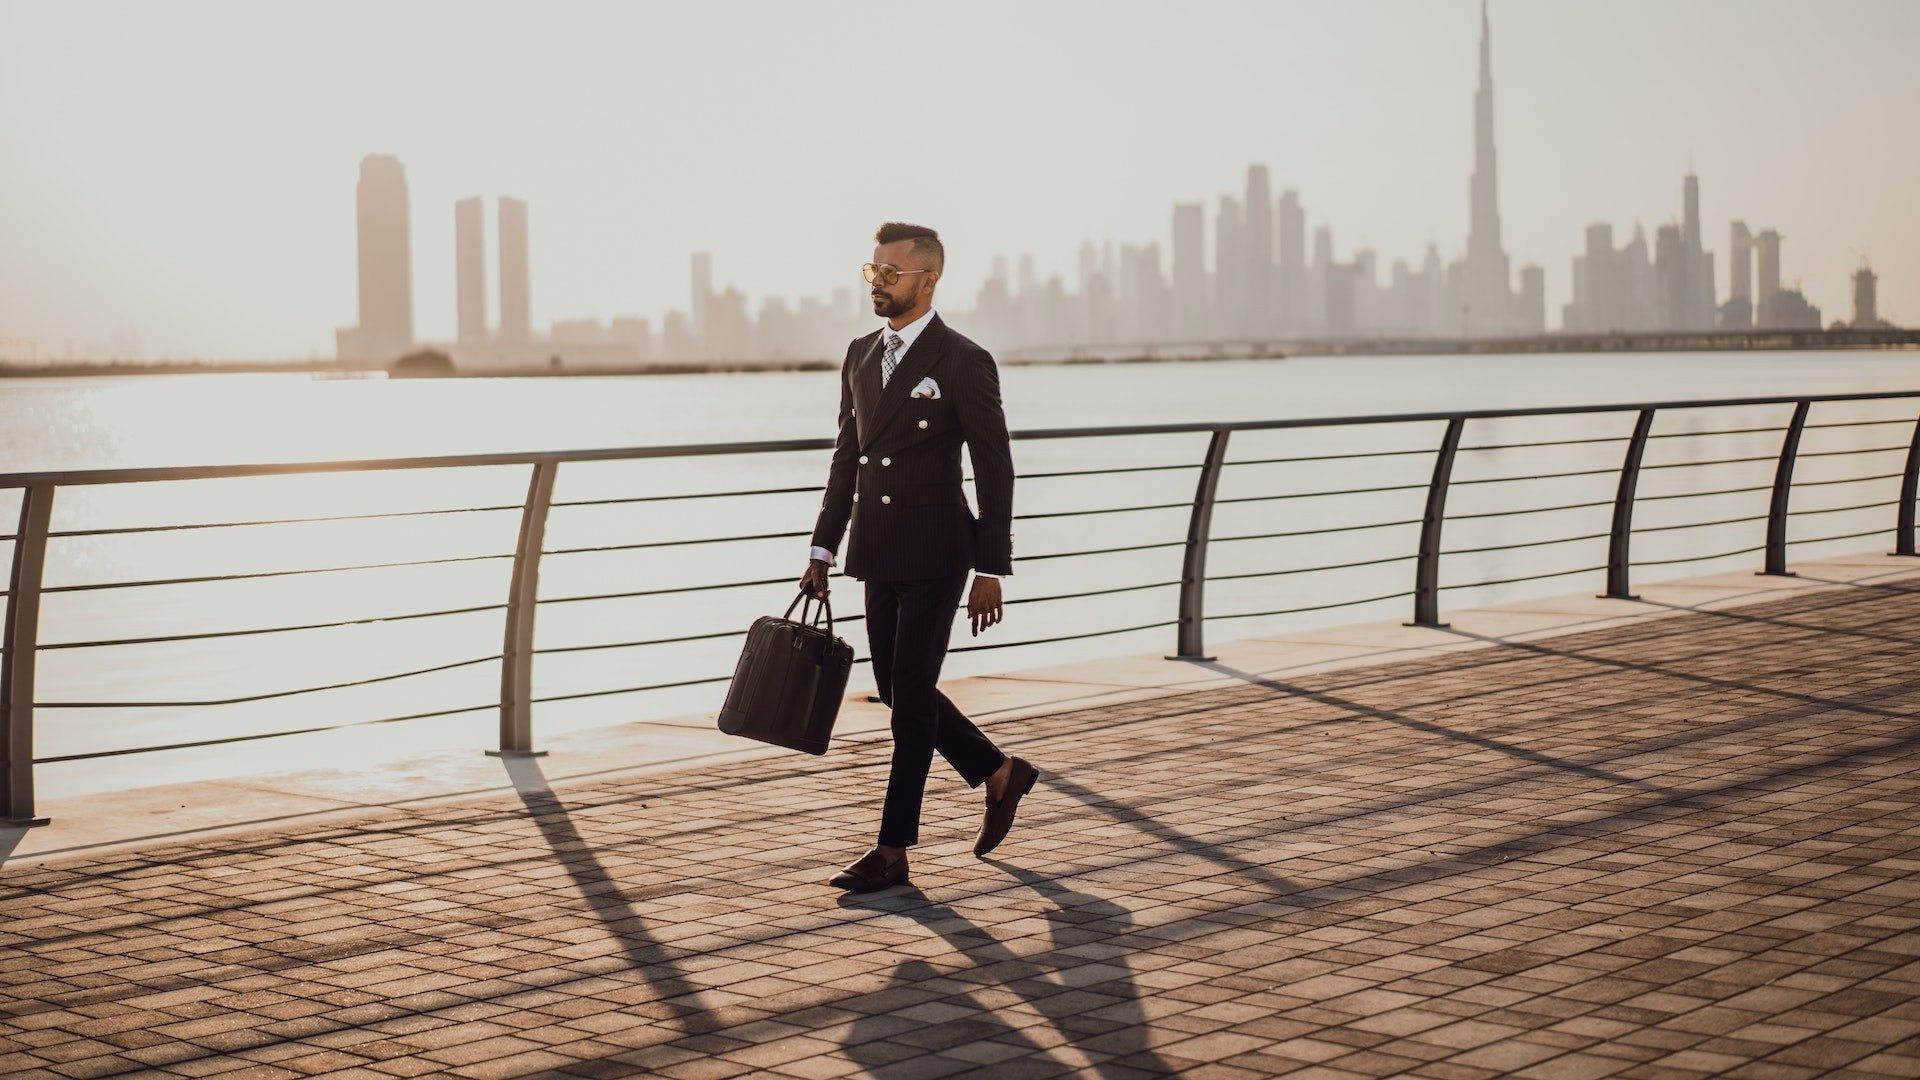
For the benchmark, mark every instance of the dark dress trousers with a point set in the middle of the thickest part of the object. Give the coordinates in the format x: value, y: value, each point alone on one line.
x: 895, y: 481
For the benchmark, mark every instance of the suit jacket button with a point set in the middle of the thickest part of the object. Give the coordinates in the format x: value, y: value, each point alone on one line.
x: 886, y: 498
x: 886, y: 461
x: 923, y: 423
x: 863, y: 459
x: 856, y: 496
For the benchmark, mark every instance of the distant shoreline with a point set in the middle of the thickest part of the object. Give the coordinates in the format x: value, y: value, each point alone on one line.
x: 1697, y: 341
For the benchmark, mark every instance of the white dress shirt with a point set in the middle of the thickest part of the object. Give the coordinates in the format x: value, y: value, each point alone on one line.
x: 908, y: 334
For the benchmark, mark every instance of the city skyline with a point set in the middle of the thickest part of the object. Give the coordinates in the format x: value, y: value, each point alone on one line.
x: 1057, y: 184
x: 1258, y: 284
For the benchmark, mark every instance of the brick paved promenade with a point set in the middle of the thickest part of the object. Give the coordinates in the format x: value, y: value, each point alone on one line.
x: 1685, y: 847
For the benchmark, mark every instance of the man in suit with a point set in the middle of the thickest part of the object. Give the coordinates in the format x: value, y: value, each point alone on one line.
x: 911, y: 393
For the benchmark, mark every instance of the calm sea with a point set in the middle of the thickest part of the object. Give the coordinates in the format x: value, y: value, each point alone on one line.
x: 190, y: 687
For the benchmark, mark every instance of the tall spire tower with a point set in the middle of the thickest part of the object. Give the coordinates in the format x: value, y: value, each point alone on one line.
x: 1489, y: 298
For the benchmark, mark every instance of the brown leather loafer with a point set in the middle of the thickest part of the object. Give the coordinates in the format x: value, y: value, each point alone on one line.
x: 871, y: 873
x: 999, y: 817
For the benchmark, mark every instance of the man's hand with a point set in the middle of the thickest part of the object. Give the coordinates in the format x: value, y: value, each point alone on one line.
x: 983, y: 603
x: 814, y: 581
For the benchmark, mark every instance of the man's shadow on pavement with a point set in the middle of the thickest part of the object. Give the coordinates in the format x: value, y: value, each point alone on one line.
x: 1093, y: 1006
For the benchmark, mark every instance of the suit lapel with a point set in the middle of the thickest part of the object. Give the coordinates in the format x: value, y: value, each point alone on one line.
x: 866, y: 389
x: 926, y: 351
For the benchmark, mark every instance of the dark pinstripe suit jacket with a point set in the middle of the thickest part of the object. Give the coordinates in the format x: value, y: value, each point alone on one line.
x: 896, y: 463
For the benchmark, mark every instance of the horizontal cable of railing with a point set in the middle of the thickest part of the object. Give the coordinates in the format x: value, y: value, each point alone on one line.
x: 1402, y: 595
x: 1323, y: 494
x: 1103, y: 510
x: 1528, y: 577
x: 1543, y: 442
x: 1424, y: 451
x: 1095, y: 472
x: 266, y: 696
x: 1845, y: 453
x: 1847, y: 480
x: 258, y: 574
x: 1315, y: 532
x: 1530, y: 510
x: 127, y: 530
x: 1704, y: 494
x: 1310, y: 569
x: 1121, y: 549
x: 1058, y: 638
x: 1700, y: 558
x: 692, y: 541
x: 1700, y: 524
x: 1903, y: 420
x: 210, y: 634
x: 1881, y: 505
x: 1517, y: 545
x: 674, y: 640
x: 1831, y: 539
x: 1709, y: 461
x: 1611, y: 471
x: 1709, y: 434
x: 228, y: 740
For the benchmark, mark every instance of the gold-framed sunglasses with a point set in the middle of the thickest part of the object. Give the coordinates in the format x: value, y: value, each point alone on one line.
x: 885, y: 273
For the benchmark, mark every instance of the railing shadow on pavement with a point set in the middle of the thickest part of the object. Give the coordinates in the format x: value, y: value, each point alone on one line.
x: 600, y: 891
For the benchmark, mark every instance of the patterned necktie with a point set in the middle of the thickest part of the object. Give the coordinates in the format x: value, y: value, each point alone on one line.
x: 892, y: 359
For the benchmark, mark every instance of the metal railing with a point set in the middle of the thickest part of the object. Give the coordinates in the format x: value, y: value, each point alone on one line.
x: 21, y: 646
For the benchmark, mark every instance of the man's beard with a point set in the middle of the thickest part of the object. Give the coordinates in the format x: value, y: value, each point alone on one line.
x: 885, y: 306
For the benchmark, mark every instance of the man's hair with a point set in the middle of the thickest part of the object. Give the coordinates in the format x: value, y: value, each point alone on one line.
x: 925, y: 240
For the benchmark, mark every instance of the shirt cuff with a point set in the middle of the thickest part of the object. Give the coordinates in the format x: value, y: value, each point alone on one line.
x: 983, y: 573
x: 822, y: 554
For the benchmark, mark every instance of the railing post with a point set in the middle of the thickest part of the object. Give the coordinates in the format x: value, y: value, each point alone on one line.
x: 1619, y: 556
x: 1426, y: 582
x: 1193, y: 573
x: 1909, y: 491
x: 516, y: 663
x: 1782, y: 489
x: 17, y: 662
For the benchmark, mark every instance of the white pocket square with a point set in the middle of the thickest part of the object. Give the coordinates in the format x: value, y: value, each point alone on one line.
x: 927, y: 389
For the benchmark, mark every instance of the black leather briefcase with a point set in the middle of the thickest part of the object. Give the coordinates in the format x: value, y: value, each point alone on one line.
x: 787, y: 687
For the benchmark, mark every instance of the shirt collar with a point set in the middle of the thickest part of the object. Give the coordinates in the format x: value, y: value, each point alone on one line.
x: 907, y: 333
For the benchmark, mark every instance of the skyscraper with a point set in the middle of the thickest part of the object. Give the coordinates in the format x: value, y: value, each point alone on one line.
x: 1257, y: 279
x: 1530, y: 304
x: 1293, y: 262
x: 1695, y: 311
x: 1317, y: 279
x: 1866, y: 308
x: 1737, y: 313
x: 1601, y: 289
x: 1673, y: 268
x: 516, y: 296
x: 1489, y: 298
x: 386, y: 262
x: 701, y: 289
x: 1768, y: 246
x: 1189, y: 269
x: 1229, y: 271
x: 470, y: 269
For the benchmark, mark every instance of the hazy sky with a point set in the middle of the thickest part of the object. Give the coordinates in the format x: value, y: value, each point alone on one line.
x: 188, y: 168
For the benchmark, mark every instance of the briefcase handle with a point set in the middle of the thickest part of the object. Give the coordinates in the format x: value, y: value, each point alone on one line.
x: 805, y: 620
